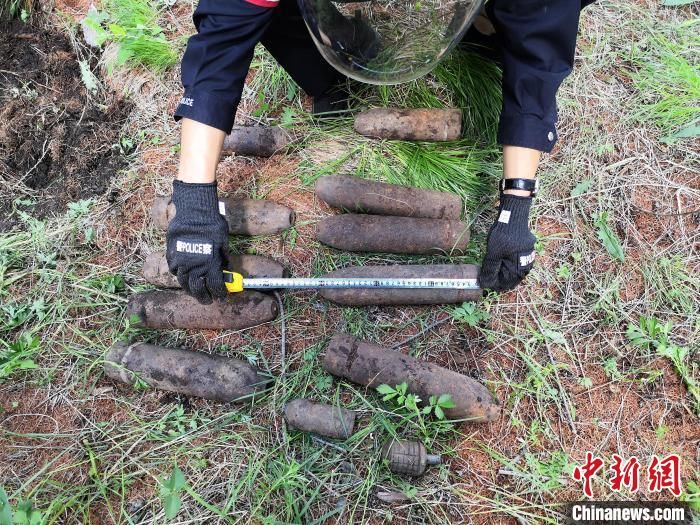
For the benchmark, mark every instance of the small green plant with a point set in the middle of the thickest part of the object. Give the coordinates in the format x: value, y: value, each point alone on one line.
x: 170, y: 491
x: 400, y: 396
x: 24, y: 513
x: 18, y: 355
x: 564, y: 271
x: 79, y: 209
x: 608, y: 237
x: 132, y: 25
x: 5, y: 508
x: 611, y: 370
x: 582, y: 187
x: 650, y: 334
x: 324, y: 382
x: 661, y: 432
x: 21, y: 9
x: 470, y: 314
x: 176, y: 423
x: 403, y: 400
x: 585, y: 382
x: 667, y: 79
x: 692, y: 495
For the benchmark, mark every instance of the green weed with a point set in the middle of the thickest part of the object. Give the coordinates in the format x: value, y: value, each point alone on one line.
x: 132, y: 24
x: 608, y: 237
x: 676, y: 287
x: 16, y: 9
x: 273, y: 86
x: 667, y: 78
x: 650, y: 334
x: 170, y: 490
x: 18, y: 355
x: 470, y: 314
x: 409, y: 402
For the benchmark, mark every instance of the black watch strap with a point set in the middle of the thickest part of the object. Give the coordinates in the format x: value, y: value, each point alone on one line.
x: 531, y: 185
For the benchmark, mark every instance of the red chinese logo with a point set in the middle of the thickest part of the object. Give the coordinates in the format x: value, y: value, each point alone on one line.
x: 625, y: 474
x: 587, y: 471
x: 662, y: 474
x: 665, y: 474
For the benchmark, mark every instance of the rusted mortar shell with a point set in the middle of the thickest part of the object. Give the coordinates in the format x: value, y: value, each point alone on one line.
x: 372, y: 365
x: 380, y: 233
x: 319, y: 418
x: 365, y: 196
x: 410, y: 124
x: 257, y: 141
x: 155, y: 268
x: 389, y: 296
x: 244, y: 216
x: 184, y: 371
x: 408, y: 457
x: 175, y: 309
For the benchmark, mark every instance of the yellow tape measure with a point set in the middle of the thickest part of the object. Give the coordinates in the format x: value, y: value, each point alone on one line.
x: 233, y: 281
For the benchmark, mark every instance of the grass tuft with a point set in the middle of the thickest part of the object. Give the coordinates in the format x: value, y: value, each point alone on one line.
x: 132, y: 24
x: 667, y: 78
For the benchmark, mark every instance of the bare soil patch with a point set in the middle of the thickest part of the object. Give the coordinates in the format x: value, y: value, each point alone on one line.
x: 57, y: 143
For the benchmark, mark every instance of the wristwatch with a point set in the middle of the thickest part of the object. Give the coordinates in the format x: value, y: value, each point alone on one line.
x: 531, y: 185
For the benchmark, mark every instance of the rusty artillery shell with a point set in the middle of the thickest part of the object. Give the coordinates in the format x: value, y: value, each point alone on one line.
x: 359, y: 195
x: 380, y: 233
x: 410, y: 124
x: 395, y: 296
x: 175, y: 309
x: 319, y: 418
x: 155, y: 268
x: 257, y: 141
x: 184, y: 371
x: 244, y: 216
x: 372, y: 365
x: 408, y: 457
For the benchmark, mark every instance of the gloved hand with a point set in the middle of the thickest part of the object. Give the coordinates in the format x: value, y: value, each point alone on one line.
x: 510, y: 246
x: 197, y: 241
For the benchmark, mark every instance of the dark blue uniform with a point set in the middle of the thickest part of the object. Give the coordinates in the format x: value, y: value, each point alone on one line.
x: 537, y: 39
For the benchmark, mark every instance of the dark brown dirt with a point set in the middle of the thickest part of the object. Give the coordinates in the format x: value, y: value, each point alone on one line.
x: 57, y: 144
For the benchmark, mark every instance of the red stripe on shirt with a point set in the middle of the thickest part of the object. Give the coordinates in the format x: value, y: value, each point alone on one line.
x: 264, y: 3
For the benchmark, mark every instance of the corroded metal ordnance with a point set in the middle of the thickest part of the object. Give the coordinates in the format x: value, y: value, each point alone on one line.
x: 257, y: 141
x: 186, y: 372
x: 175, y: 309
x: 395, y: 296
x: 319, y: 418
x: 408, y: 457
x: 156, y: 272
x: 244, y: 216
x: 381, y: 233
x: 359, y: 195
x: 372, y: 365
x: 410, y: 124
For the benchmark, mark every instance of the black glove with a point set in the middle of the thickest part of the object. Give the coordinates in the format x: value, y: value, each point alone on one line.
x: 197, y: 241
x: 510, y: 246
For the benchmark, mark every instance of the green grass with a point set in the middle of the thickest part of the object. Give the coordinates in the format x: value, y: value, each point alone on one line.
x: 132, y: 24
x: 667, y: 78
x: 15, y: 9
x: 272, y: 85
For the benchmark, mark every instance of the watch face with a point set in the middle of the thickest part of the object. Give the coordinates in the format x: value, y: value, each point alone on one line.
x: 387, y: 41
